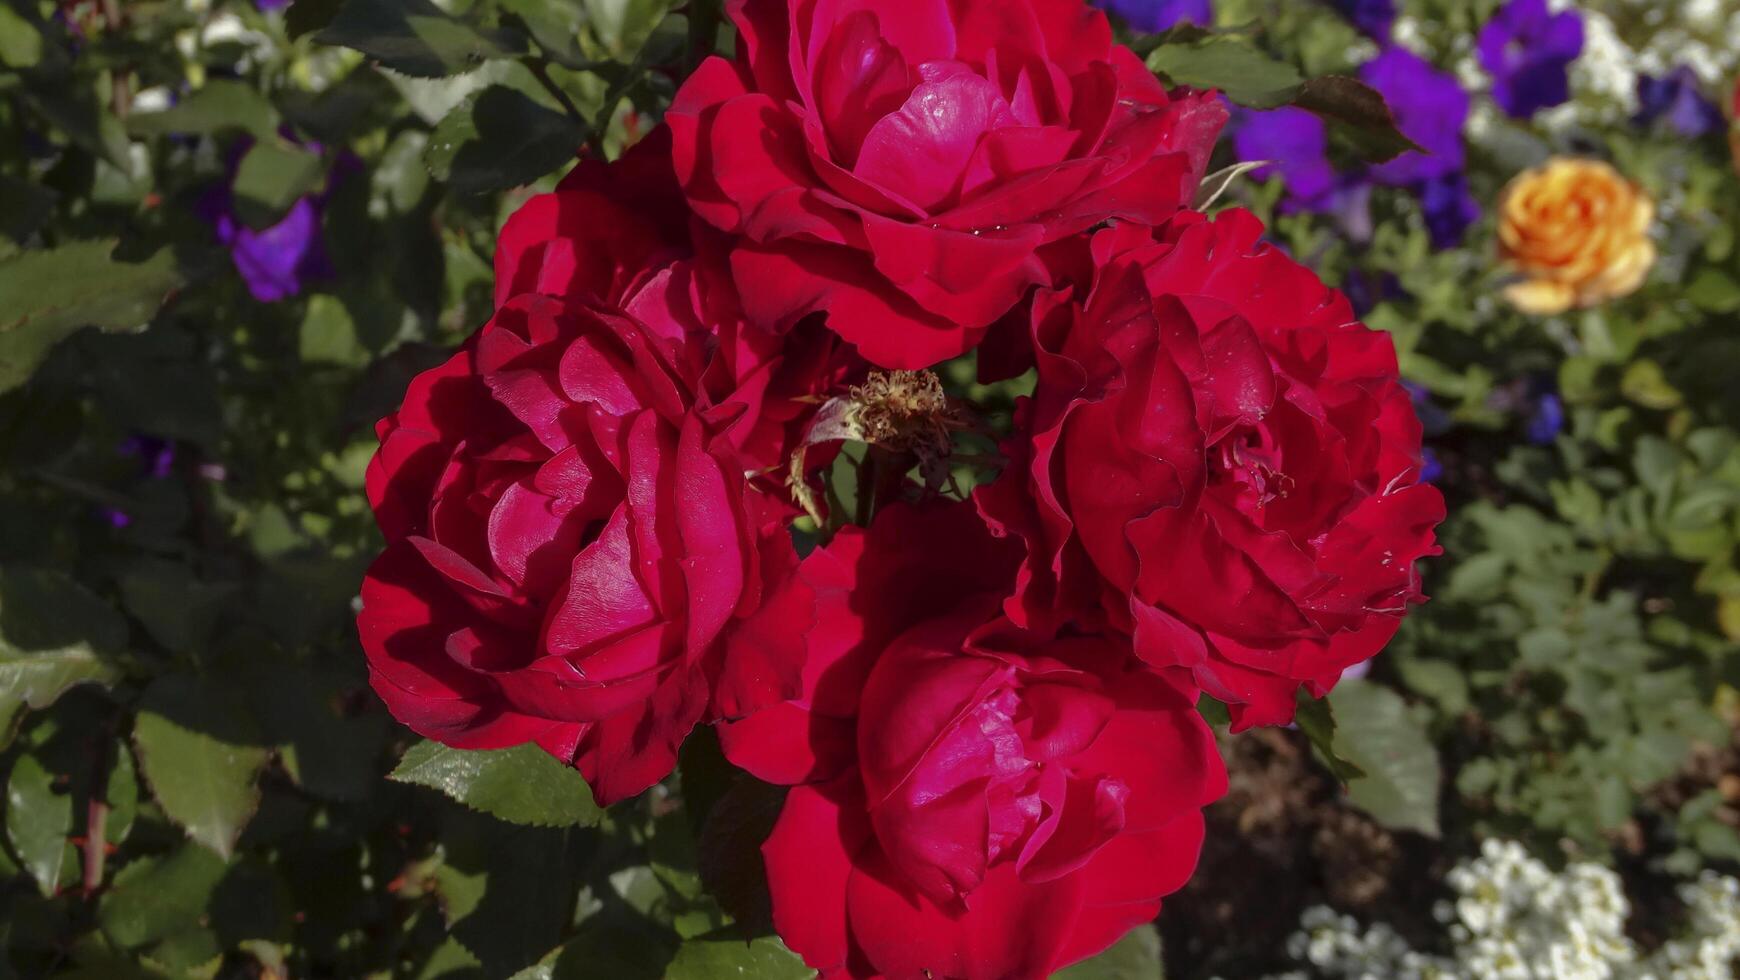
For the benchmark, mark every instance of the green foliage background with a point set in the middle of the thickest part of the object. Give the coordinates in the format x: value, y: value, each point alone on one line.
x: 197, y: 776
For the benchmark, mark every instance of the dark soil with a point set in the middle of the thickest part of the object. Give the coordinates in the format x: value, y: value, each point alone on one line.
x: 1282, y: 840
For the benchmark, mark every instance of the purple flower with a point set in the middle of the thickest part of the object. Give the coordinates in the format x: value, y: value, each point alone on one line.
x: 1430, y: 109
x: 1547, y: 420
x: 1678, y: 98
x: 1528, y: 51
x: 275, y: 261
x: 271, y: 4
x: 157, y: 455
x: 1297, y: 147
x: 1434, y: 421
x: 1375, y: 17
x: 1546, y: 411
x: 1158, y: 15
x: 1365, y: 289
x: 157, y: 461
x: 1449, y: 208
x: 1431, y: 467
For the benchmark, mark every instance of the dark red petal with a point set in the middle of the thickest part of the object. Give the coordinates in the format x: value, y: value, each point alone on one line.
x: 809, y: 855
x: 787, y: 744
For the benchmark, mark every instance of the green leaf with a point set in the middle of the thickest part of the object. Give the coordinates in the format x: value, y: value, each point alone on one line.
x: 121, y: 794
x: 194, y: 953
x: 628, y: 27
x: 201, y: 755
x: 415, y: 37
x: 308, y: 16
x: 75, y: 111
x: 401, y: 177
x: 20, y: 41
x: 328, y: 334
x: 1134, y: 957
x: 507, y: 890
x: 46, y: 295
x: 705, y: 774
x: 710, y: 958
x: 38, y: 821
x: 1377, y: 733
x: 327, y: 754
x: 729, y: 850
x: 220, y: 105
x: 498, y: 139
x: 179, y: 611
x: 53, y: 635
x: 616, y: 944
x: 1714, y: 290
x: 252, y: 902
x: 1241, y: 72
x: 705, y: 19
x: 1358, y: 114
x: 154, y: 898
x: 523, y: 785
x: 1645, y: 383
x: 24, y: 207
x: 555, y: 25
x: 272, y: 176
x: 1442, y: 681
x: 1317, y: 721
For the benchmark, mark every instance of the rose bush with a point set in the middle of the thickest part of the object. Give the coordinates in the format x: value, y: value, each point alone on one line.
x: 592, y: 511
x: 1218, y: 460
x: 907, y: 160
x: 974, y: 801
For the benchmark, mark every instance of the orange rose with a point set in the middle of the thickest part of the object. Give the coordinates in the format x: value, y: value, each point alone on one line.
x: 1578, y: 234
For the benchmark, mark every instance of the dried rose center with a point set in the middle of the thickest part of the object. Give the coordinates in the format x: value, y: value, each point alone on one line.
x: 906, y: 411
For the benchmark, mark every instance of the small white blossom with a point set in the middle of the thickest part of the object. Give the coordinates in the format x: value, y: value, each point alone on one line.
x: 1513, y: 918
x: 1409, y: 33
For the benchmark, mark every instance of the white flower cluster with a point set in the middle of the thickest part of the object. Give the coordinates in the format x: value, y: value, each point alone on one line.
x: 1698, y: 33
x: 1516, y: 919
x: 1647, y: 37
x: 1714, y: 941
x: 1606, y: 72
x: 1622, y: 39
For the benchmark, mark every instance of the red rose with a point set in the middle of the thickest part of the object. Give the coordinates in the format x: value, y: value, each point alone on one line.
x: 1220, y: 460
x: 976, y: 803
x: 568, y: 522
x: 606, y: 230
x: 897, y: 164
x: 622, y: 233
x: 919, y: 564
